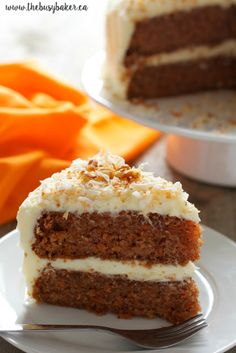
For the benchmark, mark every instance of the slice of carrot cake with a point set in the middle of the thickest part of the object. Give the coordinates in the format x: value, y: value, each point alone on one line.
x: 107, y: 237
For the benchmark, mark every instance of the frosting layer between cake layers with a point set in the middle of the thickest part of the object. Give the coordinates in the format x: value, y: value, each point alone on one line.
x: 132, y: 270
x: 227, y: 48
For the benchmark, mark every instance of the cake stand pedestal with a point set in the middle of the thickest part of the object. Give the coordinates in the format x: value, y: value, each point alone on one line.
x: 202, y: 127
x: 207, y: 161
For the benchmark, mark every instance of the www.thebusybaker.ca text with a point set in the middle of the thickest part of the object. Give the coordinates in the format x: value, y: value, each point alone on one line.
x: 49, y: 8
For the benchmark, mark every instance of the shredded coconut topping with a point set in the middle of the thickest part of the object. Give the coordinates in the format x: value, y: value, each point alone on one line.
x: 109, y: 171
x: 105, y: 183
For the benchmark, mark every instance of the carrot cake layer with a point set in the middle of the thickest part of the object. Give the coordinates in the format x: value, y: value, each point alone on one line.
x: 127, y: 235
x: 215, y: 24
x: 185, y: 77
x: 173, y: 301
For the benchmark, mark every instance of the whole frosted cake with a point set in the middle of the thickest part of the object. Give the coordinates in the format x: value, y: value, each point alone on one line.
x: 107, y: 237
x: 160, y: 48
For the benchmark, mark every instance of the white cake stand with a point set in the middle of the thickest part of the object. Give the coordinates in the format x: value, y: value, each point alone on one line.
x: 202, y: 144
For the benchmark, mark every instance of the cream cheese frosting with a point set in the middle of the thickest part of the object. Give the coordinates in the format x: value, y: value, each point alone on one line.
x: 120, y: 26
x: 104, y: 183
x: 227, y: 48
x: 133, y: 270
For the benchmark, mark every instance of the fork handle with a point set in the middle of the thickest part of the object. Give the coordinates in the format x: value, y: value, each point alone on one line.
x: 53, y: 328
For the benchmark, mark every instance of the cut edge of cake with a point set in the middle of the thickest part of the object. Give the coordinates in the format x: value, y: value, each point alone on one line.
x: 122, y: 17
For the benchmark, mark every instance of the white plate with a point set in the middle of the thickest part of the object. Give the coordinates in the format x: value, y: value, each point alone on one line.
x: 209, y: 116
x: 216, y: 281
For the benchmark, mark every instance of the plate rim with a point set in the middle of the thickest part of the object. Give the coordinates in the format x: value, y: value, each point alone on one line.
x: 19, y: 345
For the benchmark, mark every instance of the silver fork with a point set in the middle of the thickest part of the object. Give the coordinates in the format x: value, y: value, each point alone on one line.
x: 150, y: 338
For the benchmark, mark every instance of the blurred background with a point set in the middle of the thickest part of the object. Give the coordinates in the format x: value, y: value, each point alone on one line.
x: 60, y: 42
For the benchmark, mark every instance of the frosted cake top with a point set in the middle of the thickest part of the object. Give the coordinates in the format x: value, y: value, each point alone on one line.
x: 105, y: 183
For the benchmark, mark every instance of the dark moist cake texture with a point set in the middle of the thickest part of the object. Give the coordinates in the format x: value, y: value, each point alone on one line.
x: 205, y: 26
x: 208, y: 25
x: 125, y: 236
x: 183, y: 78
x: 173, y: 301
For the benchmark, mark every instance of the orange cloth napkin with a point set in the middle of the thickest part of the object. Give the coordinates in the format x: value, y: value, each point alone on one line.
x: 44, y: 124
